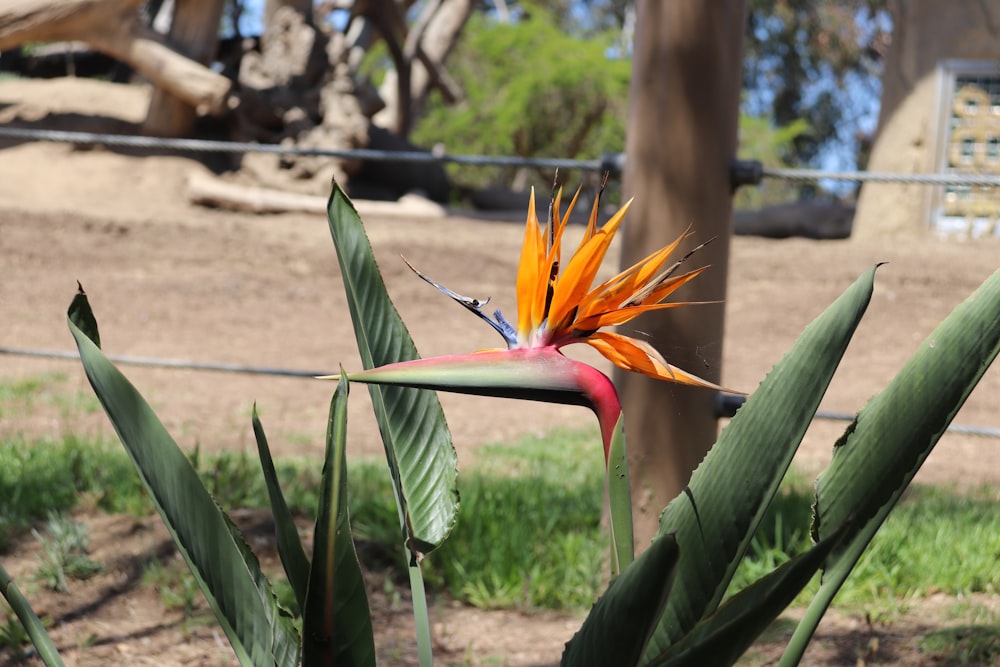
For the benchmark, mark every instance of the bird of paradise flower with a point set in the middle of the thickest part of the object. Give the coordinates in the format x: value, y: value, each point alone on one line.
x: 557, y: 307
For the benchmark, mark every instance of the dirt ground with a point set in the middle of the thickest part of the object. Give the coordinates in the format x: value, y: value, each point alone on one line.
x: 171, y: 280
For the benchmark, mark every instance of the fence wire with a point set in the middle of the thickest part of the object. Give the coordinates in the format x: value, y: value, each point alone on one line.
x: 727, y: 403
x: 612, y: 162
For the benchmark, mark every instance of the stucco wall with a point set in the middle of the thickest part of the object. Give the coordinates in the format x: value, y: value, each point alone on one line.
x: 925, y: 33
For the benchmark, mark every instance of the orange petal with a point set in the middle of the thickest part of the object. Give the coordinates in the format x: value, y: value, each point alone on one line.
x: 622, y: 287
x: 636, y: 355
x: 618, y: 316
x: 555, y: 250
x: 657, y: 292
x: 528, y: 273
x: 574, y: 282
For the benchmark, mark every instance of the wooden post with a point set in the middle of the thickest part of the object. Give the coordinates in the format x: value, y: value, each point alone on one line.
x: 682, y: 129
x: 195, y: 30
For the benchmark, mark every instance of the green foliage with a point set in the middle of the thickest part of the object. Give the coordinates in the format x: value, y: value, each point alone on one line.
x: 537, y: 504
x: 177, y: 588
x: 665, y: 608
x: 64, y: 553
x: 336, y: 621
x: 773, y: 146
x: 620, y: 624
x: 13, y: 636
x: 47, y: 476
x: 935, y: 540
x: 963, y: 646
x: 29, y: 622
x: 530, y: 90
x: 47, y: 390
x: 718, y: 514
x: 816, y: 61
x: 227, y: 571
x: 418, y: 448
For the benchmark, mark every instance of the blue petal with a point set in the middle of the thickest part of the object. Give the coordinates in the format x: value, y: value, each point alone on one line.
x: 501, y: 325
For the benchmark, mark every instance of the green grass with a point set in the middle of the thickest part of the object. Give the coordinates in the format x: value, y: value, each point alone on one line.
x: 963, y: 645
x: 42, y: 477
x: 65, y: 544
x: 29, y: 394
x: 528, y: 533
x: 935, y: 540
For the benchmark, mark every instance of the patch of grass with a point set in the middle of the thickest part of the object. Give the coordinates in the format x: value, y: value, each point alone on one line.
x: 25, y: 395
x: 175, y: 583
x: 528, y: 534
x: 783, y: 532
x: 24, y: 389
x: 64, y: 554
x: 13, y: 636
x: 935, y: 540
x: 965, y: 645
x: 48, y: 475
x: 41, y: 477
x: 529, y: 531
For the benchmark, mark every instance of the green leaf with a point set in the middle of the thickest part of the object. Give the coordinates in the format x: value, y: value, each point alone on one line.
x: 336, y: 619
x: 421, y: 457
x: 29, y: 620
x: 618, y: 627
x: 80, y: 313
x: 889, y: 440
x: 293, y: 556
x: 421, y: 616
x: 620, y: 502
x: 720, y: 639
x: 221, y: 562
x: 718, y: 513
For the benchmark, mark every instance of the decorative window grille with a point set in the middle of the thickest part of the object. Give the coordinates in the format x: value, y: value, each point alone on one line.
x: 968, y: 144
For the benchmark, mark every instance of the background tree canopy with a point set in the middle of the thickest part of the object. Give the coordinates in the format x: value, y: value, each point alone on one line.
x: 551, y: 79
x: 531, y: 89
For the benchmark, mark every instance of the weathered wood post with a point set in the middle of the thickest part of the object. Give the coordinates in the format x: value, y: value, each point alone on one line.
x: 682, y: 129
x: 195, y: 30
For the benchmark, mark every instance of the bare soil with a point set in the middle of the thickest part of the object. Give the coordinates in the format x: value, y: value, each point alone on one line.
x: 171, y: 280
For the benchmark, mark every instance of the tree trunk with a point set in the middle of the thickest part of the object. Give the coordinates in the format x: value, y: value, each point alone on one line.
x: 683, y: 112
x: 422, y: 58
x: 195, y: 30
x: 113, y: 27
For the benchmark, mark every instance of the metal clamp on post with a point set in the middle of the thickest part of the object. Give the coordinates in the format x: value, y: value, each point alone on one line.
x: 745, y: 172
x: 613, y: 164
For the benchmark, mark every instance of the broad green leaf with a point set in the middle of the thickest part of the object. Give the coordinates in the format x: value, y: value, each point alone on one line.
x: 718, y: 513
x: 618, y: 627
x: 720, y: 639
x: 620, y: 502
x: 228, y: 573
x: 418, y: 446
x: 286, y: 535
x: 889, y: 440
x: 29, y: 620
x: 336, y: 620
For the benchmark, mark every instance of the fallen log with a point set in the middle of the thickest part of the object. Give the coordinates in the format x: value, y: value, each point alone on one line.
x: 114, y: 28
x: 217, y: 193
x: 809, y: 219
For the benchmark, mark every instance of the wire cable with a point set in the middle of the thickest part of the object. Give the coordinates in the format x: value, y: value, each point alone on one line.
x: 728, y: 403
x: 612, y: 162
x: 171, y: 363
